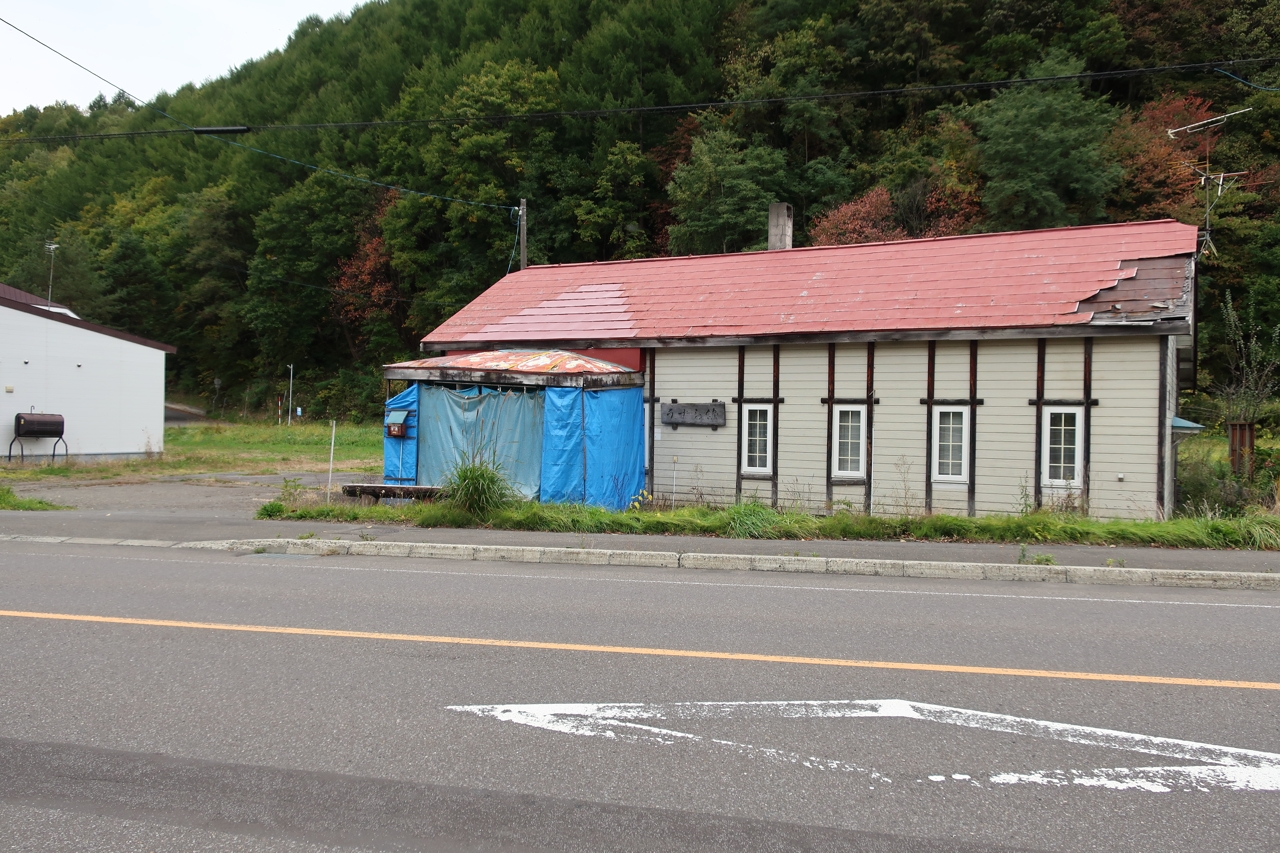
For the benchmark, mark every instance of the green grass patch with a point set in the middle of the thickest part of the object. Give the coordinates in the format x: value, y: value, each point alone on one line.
x: 248, y: 448
x: 8, y: 500
x: 1255, y: 531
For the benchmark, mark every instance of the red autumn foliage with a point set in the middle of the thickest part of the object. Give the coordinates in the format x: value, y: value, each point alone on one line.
x: 668, y: 157
x: 365, y: 284
x: 1159, y: 181
x: 875, y: 217
x: 867, y: 219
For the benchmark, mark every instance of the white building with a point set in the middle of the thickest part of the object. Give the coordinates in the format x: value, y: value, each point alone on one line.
x: 107, y: 385
x: 967, y: 375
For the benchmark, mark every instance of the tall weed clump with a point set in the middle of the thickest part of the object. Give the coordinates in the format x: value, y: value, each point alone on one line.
x: 477, y: 486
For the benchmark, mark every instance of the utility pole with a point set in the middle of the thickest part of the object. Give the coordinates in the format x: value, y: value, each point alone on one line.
x: 524, y: 249
x: 290, y: 423
x: 50, y: 247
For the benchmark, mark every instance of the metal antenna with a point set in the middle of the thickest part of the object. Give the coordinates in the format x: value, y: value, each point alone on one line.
x: 1208, y: 123
x: 50, y: 247
x: 1222, y: 181
x: 524, y: 251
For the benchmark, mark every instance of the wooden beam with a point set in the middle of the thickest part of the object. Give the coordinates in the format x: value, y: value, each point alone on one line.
x: 928, y: 429
x: 1179, y: 326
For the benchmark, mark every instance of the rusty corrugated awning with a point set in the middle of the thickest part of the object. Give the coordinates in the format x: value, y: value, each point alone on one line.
x: 516, y: 367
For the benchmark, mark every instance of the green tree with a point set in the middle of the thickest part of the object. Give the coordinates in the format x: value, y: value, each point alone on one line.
x: 77, y: 282
x: 612, y: 214
x: 721, y: 197
x: 142, y: 294
x: 1042, y: 151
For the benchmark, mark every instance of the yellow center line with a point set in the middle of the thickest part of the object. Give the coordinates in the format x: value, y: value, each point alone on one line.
x: 640, y: 650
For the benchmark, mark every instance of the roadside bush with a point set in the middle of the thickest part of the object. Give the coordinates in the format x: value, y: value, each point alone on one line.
x: 476, y: 486
x: 1208, y: 487
x: 271, y: 509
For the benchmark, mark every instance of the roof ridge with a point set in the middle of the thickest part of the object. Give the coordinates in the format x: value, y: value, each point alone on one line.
x: 912, y: 240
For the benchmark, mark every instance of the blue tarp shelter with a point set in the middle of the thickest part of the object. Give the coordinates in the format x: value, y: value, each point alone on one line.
x: 400, y: 455
x: 555, y: 438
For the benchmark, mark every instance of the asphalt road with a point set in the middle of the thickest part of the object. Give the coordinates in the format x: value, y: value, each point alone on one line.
x: 391, y: 704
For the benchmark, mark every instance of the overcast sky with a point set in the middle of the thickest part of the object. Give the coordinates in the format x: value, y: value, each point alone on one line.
x: 146, y: 46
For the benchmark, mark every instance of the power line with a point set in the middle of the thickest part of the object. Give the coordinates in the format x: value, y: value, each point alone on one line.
x: 1247, y: 83
x: 205, y: 131
x: 687, y: 107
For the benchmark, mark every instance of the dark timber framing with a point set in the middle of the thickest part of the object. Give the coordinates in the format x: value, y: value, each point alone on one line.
x: 830, y: 399
x: 653, y: 421
x: 742, y: 390
x: 1087, y: 438
x: 773, y: 445
x: 1162, y: 427
x: 1082, y: 330
x: 974, y: 402
x: 1088, y: 401
x: 928, y: 429
x: 871, y: 414
x: 1038, y: 402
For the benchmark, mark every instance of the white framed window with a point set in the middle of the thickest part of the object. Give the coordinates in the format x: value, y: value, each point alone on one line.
x: 757, y: 439
x: 848, y: 441
x: 1060, y: 446
x: 950, y: 445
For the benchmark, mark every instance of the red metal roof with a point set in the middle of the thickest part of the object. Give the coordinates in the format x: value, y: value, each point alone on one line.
x: 518, y: 361
x: 1027, y: 279
x: 13, y: 294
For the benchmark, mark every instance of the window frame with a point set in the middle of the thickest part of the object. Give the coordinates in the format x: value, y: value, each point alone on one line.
x: 965, y: 426
x: 1047, y: 419
x: 747, y: 409
x: 836, y: 473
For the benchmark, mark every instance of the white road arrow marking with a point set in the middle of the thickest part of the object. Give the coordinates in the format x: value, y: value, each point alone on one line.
x: 1212, y: 766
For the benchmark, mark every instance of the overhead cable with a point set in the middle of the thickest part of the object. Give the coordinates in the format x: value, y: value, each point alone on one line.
x: 1247, y: 83
x: 239, y: 129
x: 606, y: 112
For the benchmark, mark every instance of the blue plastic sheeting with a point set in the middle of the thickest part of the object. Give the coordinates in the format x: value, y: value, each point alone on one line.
x: 504, y: 427
x: 593, y: 446
x: 400, y: 455
x: 615, y: 446
x: 563, y: 450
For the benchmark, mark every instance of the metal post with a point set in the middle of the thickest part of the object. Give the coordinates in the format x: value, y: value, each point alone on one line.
x: 290, y: 423
x: 524, y: 233
x: 52, y: 248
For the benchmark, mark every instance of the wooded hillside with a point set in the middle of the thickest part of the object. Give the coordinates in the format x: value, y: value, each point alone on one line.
x: 248, y: 262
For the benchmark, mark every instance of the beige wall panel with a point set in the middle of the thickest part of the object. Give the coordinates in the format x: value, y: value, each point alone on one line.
x: 758, y: 376
x: 1063, y: 368
x: 1006, y: 425
x: 849, y: 497
x: 707, y: 466
x: 851, y: 371
x: 950, y: 498
x: 802, y: 428
x: 1126, y: 383
x: 899, y: 446
x: 951, y: 370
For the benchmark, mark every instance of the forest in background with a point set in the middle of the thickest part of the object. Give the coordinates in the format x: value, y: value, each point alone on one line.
x: 248, y: 262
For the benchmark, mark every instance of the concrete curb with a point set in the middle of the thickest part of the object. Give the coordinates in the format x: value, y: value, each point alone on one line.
x: 717, y: 562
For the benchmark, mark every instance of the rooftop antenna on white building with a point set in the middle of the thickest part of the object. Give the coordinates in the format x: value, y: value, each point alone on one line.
x: 50, y: 247
x: 1215, y: 185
